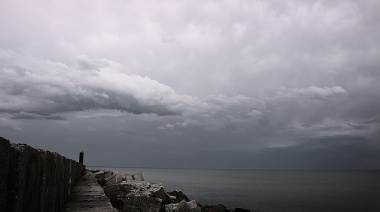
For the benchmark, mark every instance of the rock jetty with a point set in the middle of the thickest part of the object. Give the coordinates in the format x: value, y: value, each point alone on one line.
x: 130, y: 193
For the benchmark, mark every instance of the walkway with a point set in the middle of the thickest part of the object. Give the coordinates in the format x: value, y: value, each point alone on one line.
x: 87, y: 195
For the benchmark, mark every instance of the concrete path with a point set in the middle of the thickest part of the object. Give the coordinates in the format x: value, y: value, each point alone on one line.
x: 87, y: 195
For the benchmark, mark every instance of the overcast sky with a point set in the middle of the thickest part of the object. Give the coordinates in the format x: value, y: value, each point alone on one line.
x: 194, y: 84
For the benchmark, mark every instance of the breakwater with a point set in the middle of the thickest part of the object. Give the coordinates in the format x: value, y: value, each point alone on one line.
x: 130, y: 192
x: 34, y: 180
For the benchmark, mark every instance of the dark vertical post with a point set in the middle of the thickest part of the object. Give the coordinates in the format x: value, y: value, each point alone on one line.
x: 81, y: 157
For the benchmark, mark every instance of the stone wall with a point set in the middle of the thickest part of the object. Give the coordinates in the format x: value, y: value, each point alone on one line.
x: 4, y: 164
x: 34, y: 179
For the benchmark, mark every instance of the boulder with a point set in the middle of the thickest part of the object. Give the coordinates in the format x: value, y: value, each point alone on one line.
x: 122, y: 174
x: 183, y: 206
x: 102, y: 174
x: 194, y: 206
x: 99, y: 174
x: 138, y: 176
x: 160, y: 193
x: 102, y: 182
x: 117, y: 193
x: 128, y: 177
x: 134, y: 196
x: 179, y: 196
x: 114, y: 179
x: 107, y: 174
x: 103, y: 177
x: 142, y: 203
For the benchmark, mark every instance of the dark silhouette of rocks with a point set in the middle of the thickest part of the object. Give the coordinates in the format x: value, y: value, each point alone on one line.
x: 179, y: 196
x: 132, y: 196
x: 241, y: 210
x: 129, y: 192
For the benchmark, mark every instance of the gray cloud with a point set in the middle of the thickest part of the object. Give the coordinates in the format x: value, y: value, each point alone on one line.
x: 375, y: 120
x: 263, y: 84
x: 44, y: 87
x: 358, y: 127
x: 32, y: 116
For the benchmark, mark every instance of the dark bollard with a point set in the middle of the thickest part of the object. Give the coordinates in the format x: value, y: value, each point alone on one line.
x: 81, y: 157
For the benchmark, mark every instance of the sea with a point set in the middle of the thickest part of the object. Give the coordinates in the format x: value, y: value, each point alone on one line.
x: 272, y: 190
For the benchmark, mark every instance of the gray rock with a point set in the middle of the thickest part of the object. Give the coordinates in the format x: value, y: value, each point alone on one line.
x: 100, y: 177
x: 134, y: 196
x: 114, y: 179
x: 107, y: 174
x: 179, y: 195
x: 117, y: 193
x: 138, y: 176
x: 183, y: 206
x: 103, y: 177
x: 193, y: 205
x: 122, y: 174
x: 99, y: 173
x: 102, y: 182
x: 160, y: 193
x: 142, y: 203
x: 128, y: 177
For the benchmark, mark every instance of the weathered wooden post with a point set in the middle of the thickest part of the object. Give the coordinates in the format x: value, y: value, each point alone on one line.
x: 81, y: 154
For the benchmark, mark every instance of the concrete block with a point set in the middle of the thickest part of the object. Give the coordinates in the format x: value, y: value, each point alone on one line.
x: 138, y: 176
x: 160, y: 193
x: 114, y: 179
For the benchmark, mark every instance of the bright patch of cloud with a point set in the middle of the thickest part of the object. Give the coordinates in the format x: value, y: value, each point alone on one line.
x: 39, y: 86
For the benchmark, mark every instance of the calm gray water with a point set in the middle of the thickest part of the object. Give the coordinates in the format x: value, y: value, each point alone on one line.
x: 273, y: 190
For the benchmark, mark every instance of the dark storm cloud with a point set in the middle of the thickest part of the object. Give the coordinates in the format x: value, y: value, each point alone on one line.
x: 375, y: 120
x: 358, y: 127
x: 36, y: 116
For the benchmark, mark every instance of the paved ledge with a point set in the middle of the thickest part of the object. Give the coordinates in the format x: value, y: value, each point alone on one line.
x: 87, y: 195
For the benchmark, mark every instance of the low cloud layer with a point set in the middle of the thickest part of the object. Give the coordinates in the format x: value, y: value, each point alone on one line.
x: 294, y: 122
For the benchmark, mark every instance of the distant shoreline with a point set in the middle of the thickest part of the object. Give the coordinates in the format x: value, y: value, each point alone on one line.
x: 235, y: 169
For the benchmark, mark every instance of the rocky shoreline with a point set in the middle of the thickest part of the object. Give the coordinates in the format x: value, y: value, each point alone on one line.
x: 130, y: 192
